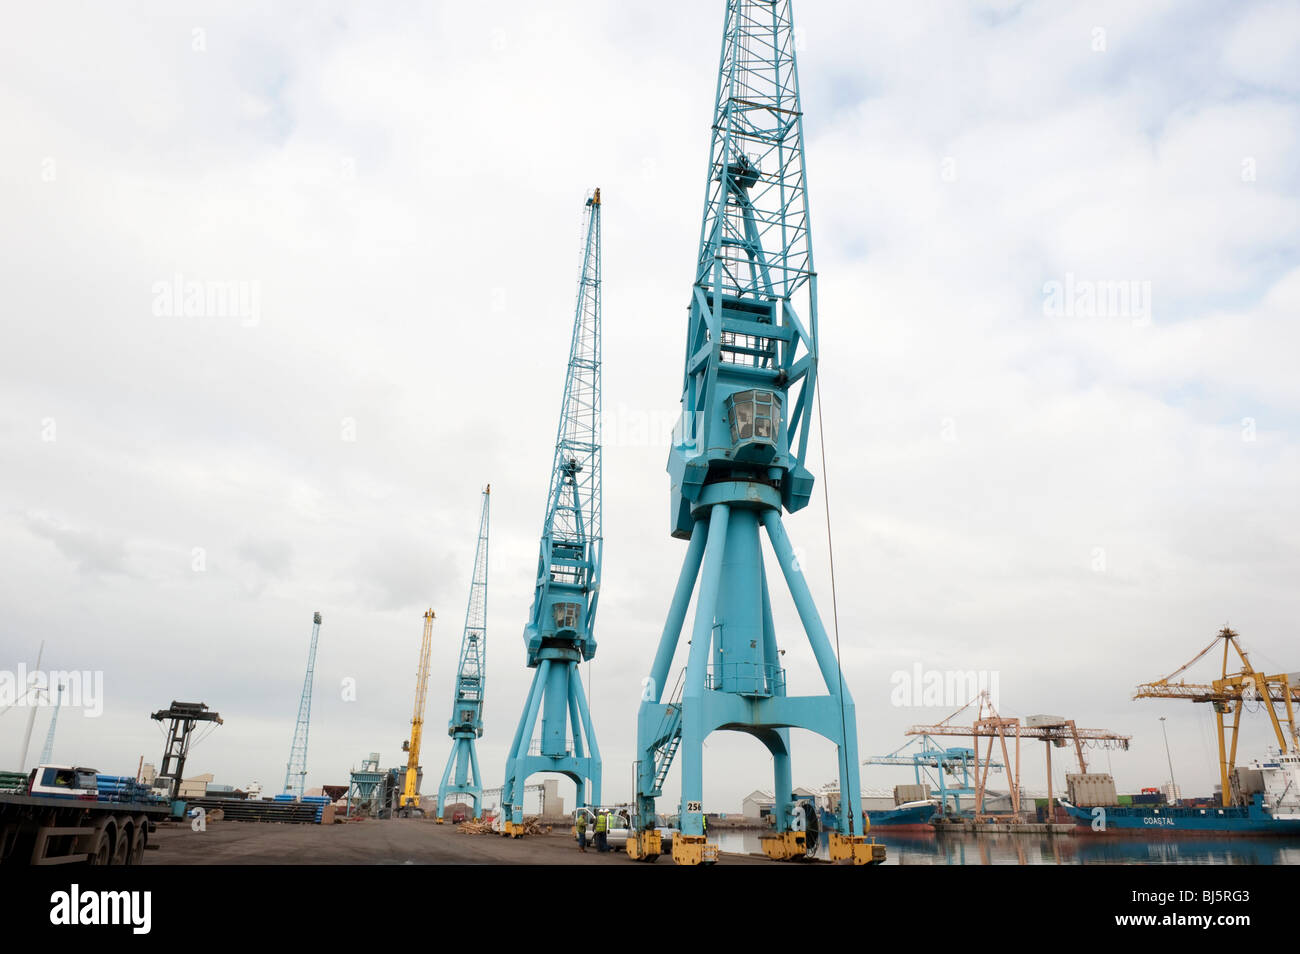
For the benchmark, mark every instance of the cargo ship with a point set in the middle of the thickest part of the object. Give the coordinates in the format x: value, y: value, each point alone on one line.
x: 1270, y: 799
x: 910, y: 816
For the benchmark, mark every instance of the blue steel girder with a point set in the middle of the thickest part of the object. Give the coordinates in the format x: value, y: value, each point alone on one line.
x: 738, y: 455
x: 560, y: 632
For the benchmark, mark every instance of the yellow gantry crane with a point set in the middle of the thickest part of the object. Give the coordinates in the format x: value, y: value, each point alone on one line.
x: 410, y: 799
x: 1229, y: 694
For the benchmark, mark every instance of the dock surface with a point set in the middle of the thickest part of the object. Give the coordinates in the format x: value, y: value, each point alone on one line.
x: 376, y: 842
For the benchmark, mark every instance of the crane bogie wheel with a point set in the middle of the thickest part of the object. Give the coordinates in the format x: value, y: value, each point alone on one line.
x: 811, y: 828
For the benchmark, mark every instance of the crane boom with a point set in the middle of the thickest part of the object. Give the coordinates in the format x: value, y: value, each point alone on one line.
x: 461, y: 775
x: 560, y: 632
x: 410, y: 798
x: 295, y: 773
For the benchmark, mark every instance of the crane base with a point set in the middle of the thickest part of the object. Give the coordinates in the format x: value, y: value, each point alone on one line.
x: 856, y: 848
x: 644, y: 845
x: 510, y: 830
x: 693, y: 850
x: 785, y: 846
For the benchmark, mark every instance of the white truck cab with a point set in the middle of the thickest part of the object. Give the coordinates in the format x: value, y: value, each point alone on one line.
x: 64, y: 781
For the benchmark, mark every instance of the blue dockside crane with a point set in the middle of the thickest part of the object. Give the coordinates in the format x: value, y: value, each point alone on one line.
x: 738, y: 457
x: 461, y: 776
x: 560, y: 631
x: 933, y: 764
x: 295, y: 773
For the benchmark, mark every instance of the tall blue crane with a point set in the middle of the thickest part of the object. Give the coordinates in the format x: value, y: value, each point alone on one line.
x: 466, y: 723
x: 295, y: 773
x: 738, y: 457
x: 560, y: 630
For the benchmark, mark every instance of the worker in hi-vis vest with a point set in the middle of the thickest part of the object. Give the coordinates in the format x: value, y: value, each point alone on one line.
x: 582, y: 831
x: 602, y: 826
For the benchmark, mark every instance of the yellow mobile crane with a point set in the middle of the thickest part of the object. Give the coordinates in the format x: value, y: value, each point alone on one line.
x: 410, y: 799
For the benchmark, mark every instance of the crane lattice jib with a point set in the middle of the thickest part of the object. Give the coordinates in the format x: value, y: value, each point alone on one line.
x: 753, y: 313
x: 471, y: 673
x: 422, y: 670
x: 569, y: 558
x: 295, y: 773
x: 754, y: 241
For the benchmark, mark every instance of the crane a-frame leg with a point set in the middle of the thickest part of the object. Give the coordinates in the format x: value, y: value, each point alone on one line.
x: 556, y: 695
x: 731, y: 684
x: 461, y: 776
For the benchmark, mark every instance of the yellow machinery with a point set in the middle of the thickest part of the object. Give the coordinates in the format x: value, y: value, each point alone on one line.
x: 643, y: 845
x: 410, y: 800
x: 1228, y: 694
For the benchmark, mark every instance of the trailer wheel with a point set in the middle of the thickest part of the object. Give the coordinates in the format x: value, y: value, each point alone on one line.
x: 122, y: 840
x: 100, y: 849
x: 139, y: 840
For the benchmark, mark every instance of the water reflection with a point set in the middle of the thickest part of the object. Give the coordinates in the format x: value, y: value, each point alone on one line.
x: 921, y: 848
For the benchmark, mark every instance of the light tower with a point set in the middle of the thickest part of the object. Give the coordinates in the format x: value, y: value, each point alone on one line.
x: 560, y: 630
x: 295, y: 773
x: 738, y: 458
x: 461, y: 776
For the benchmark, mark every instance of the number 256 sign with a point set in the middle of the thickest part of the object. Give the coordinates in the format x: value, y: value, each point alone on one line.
x: 695, y: 806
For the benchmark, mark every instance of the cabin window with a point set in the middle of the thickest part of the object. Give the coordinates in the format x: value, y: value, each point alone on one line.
x: 566, y: 615
x: 754, y: 416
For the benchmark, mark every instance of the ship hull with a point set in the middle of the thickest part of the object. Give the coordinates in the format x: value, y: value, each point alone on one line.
x: 1148, y: 820
x: 905, y: 818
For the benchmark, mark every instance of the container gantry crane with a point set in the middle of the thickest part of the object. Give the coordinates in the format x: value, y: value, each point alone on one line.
x: 1052, y: 731
x: 461, y: 776
x: 1229, y: 694
x: 933, y: 764
x: 738, y: 458
x: 295, y: 773
x: 560, y: 631
x: 408, y: 803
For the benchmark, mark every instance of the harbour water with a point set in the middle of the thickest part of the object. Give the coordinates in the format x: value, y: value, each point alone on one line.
x: 963, y: 849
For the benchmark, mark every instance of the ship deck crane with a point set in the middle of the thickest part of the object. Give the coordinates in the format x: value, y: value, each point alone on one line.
x: 461, y: 776
x: 560, y: 632
x: 1229, y: 695
x: 738, y: 459
x: 409, y: 801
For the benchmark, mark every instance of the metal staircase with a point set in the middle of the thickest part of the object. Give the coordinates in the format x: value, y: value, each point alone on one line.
x: 670, y: 734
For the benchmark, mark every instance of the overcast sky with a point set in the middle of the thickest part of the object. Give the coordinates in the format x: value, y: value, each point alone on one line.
x: 1075, y: 501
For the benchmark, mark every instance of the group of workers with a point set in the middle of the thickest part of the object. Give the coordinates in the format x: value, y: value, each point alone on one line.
x: 603, y: 821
